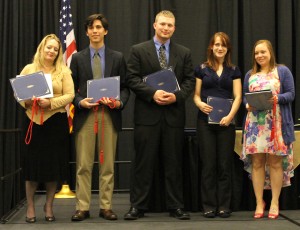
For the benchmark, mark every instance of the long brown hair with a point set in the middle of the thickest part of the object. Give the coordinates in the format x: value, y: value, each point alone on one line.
x: 255, y: 66
x: 211, y: 59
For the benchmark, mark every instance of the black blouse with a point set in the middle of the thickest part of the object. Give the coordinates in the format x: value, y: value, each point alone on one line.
x: 214, y: 85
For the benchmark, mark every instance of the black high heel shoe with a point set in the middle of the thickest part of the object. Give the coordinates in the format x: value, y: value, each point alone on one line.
x: 48, y: 218
x: 224, y: 213
x: 30, y: 220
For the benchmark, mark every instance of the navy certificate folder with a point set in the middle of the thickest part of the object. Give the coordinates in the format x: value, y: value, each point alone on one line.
x: 259, y: 99
x: 221, y: 108
x: 27, y: 86
x: 104, y: 87
x: 163, y: 80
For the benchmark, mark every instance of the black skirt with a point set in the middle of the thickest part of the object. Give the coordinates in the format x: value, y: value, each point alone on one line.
x: 46, y: 158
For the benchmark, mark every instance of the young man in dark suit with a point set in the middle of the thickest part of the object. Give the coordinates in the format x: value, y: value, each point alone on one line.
x: 86, y: 65
x: 159, y: 117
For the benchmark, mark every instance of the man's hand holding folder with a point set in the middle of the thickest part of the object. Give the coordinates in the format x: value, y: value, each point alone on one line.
x: 164, y: 98
x: 165, y: 83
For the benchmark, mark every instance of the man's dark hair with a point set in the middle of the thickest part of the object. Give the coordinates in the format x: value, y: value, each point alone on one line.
x: 90, y: 20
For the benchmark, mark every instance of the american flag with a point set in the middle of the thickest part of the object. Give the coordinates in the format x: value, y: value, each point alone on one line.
x: 67, y: 38
x: 66, y: 31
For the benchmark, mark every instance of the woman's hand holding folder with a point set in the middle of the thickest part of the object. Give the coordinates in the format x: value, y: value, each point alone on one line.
x: 205, y: 108
x: 272, y: 100
x: 44, y: 103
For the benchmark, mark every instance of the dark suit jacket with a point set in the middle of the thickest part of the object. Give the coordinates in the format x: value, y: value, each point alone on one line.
x: 143, y: 60
x: 82, y: 71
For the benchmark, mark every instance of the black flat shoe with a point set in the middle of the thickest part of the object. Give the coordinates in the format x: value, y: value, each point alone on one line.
x: 30, y: 220
x: 50, y: 218
x: 209, y: 214
x: 224, y: 213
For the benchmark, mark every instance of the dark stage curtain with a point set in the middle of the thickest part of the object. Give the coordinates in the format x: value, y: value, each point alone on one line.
x: 24, y: 23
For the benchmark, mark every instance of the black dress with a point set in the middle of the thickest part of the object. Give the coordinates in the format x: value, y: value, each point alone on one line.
x: 46, y: 157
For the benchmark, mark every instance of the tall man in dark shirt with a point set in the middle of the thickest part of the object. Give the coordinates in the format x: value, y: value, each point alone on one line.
x: 159, y: 117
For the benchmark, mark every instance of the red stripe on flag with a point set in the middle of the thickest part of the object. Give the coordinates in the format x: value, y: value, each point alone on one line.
x: 71, y: 48
x: 70, y: 117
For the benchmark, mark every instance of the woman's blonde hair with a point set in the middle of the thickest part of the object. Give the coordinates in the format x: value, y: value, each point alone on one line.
x: 38, y: 58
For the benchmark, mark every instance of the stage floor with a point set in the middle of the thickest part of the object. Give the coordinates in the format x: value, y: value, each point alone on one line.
x: 64, y: 208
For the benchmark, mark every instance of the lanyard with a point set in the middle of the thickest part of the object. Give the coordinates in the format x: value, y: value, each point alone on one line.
x: 34, y: 110
x: 95, y: 109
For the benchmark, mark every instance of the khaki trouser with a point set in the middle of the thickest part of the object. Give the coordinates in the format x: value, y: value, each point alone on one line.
x: 86, y: 142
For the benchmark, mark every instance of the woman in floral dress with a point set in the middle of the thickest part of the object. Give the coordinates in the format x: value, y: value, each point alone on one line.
x: 268, y: 134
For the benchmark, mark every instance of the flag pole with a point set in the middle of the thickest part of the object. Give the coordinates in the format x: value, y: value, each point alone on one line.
x: 67, y: 39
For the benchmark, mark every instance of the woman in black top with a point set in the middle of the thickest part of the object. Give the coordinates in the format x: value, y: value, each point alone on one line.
x: 217, y: 77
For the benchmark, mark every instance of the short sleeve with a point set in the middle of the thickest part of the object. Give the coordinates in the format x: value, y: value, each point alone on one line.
x: 236, y: 73
x: 199, y: 72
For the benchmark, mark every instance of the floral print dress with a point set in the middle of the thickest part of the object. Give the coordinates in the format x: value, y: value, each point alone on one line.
x: 258, y: 128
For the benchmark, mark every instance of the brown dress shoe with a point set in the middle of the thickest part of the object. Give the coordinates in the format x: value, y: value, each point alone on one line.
x: 80, y: 215
x: 108, y: 214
